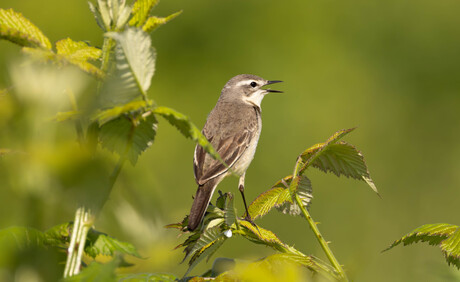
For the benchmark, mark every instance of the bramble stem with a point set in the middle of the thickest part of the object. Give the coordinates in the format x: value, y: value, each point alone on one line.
x: 322, y: 242
x: 82, y: 224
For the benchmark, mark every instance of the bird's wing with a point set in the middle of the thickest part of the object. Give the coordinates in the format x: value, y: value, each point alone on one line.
x: 230, y: 148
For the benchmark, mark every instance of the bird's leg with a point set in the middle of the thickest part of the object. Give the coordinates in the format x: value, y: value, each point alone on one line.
x: 241, y: 188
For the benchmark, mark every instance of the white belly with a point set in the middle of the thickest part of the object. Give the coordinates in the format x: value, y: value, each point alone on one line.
x: 246, y: 158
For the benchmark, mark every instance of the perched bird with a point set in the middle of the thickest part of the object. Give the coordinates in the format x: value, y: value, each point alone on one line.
x: 233, y: 128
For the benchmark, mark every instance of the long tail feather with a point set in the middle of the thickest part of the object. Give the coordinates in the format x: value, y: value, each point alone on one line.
x: 200, y: 204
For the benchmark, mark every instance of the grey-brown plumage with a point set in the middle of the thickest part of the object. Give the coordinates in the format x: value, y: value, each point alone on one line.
x: 233, y: 128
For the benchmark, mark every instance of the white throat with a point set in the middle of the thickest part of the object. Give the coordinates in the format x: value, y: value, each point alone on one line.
x: 256, y: 97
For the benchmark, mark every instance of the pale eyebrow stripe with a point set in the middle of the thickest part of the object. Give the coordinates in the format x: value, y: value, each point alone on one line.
x: 245, y: 82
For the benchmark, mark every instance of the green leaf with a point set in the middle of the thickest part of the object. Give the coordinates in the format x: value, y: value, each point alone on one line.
x: 434, y: 234
x: 22, y: 238
x: 339, y: 158
x: 122, y: 136
x: 451, y: 248
x: 59, y: 235
x: 312, y: 153
x: 155, y: 22
x: 187, y: 128
x: 17, y: 29
x: 135, y: 62
x: 97, y: 272
x: 132, y: 108
x: 79, y: 53
x: 141, y: 11
x: 302, y: 187
x: 208, y: 242
x: 146, y: 277
x: 280, y: 197
x: 230, y: 214
x: 274, y: 197
x: 98, y: 243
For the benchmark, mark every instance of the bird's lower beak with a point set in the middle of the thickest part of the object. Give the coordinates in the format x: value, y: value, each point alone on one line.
x: 272, y: 82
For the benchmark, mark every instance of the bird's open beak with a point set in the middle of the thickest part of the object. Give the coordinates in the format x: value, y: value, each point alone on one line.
x: 271, y: 82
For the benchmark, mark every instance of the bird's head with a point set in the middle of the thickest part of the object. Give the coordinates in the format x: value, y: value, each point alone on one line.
x: 247, y: 88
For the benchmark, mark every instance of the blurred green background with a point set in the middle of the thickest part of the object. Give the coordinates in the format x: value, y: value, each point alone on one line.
x: 391, y: 68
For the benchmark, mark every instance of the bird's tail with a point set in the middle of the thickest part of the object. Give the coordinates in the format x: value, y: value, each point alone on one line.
x: 200, y: 203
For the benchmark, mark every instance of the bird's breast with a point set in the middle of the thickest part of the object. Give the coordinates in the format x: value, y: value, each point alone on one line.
x: 246, y: 158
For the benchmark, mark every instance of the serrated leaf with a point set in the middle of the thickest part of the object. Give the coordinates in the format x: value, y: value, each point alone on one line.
x: 116, y: 134
x: 17, y: 29
x: 187, y: 128
x: 154, y: 22
x: 132, y: 108
x: 304, y: 190
x: 79, y: 53
x: 135, y: 63
x: 97, y: 272
x: 274, y: 197
x: 147, y: 277
x: 434, y: 234
x: 339, y: 158
x: 141, y: 11
x: 280, y: 197
x: 230, y: 214
x: 451, y: 248
x: 262, y: 235
x: 207, y: 243
x: 312, y: 153
x: 98, y: 243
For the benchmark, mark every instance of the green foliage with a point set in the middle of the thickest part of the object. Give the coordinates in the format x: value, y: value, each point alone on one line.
x: 187, y: 128
x: 128, y: 137
x: 96, y: 272
x: 17, y: 29
x: 331, y: 156
x: 79, y: 54
x: 141, y: 11
x: 446, y: 236
x: 146, y: 277
x: 337, y: 157
x: 99, y: 243
x: 218, y: 229
x: 134, y: 108
x: 141, y: 19
x: 303, y: 190
x: 155, y: 22
x: 135, y: 64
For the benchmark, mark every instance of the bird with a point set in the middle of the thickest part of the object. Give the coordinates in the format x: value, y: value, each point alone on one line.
x: 233, y: 128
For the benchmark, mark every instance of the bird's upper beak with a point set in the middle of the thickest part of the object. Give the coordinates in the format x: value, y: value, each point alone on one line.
x: 271, y: 82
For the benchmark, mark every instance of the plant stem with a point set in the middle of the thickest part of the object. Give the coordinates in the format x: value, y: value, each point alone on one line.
x: 321, y: 241
x: 82, y: 224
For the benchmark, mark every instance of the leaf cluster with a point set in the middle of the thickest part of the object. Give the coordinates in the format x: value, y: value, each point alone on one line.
x: 334, y: 156
x: 220, y: 224
x: 445, y: 236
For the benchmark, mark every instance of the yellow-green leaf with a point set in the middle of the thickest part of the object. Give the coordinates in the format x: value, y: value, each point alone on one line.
x: 17, y: 29
x: 80, y: 53
x: 154, y: 22
x: 141, y: 10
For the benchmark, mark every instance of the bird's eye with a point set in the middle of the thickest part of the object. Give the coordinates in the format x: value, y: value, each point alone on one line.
x: 253, y: 84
